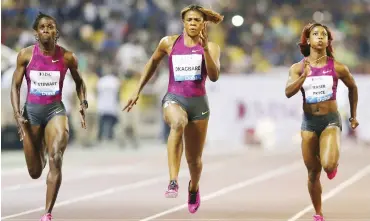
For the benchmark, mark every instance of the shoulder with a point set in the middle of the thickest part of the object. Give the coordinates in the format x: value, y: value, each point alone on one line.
x: 69, y: 56
x: 297, y: 67
x: 169, y: 40
x: 340, y: 69
x: 25, y: 54
x: 27, y: 50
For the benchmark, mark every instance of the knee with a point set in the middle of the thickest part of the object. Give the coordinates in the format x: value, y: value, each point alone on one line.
x: 330, y: 166
x: 314, y: 174
x: 179, y: 124
x: 56, y: 159
x: 194, y: 162
x: 35, y: 173
x: 60, y: 140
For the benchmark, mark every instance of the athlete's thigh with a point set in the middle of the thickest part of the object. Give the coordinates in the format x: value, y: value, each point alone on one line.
x: 33, y: 129
x: 310, y: 150
x: 57, y: 134
x: 195, y: 136
x: 330, y: 143
x: 174, y: 113
x: 32, y: 143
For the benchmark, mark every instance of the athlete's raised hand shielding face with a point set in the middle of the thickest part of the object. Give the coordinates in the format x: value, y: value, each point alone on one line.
x: 204, y: 35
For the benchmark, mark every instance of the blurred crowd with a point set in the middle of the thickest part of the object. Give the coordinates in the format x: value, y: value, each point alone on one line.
x: 113, y: 40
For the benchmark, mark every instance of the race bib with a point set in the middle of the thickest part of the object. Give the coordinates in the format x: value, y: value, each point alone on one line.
x: 44, y: 83
x: 187, y: 67
x: 318, y: 89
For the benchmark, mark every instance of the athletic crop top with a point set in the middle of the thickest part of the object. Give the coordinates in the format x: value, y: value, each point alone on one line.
x: 321, y: 84
x: 187, y: 69
x: 45, y: 76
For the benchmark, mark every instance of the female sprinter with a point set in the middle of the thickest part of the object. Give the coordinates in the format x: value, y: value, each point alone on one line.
x: 191, y: 60
x: 43, y: 125
x: 317, y: 77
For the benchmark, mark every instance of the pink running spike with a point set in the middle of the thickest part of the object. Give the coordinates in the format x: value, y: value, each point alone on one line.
x: 318, y: 218
x: 172, y: 191
x: 46, y: 217
x: 193, y: 201
x: 332, y: 174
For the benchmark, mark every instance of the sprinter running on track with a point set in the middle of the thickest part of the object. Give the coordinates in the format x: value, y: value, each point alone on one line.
x: 43, y: 124
x: 317, y: 77
x: 191, y: 60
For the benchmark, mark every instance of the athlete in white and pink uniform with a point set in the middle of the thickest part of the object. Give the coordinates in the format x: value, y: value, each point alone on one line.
x: 43, y: 125
x: 321, y: 84
x: 317, y: 77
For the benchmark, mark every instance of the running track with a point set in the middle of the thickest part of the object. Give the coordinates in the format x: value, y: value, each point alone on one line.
x: 106, y: 183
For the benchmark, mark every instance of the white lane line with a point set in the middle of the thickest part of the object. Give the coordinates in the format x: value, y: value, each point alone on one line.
x: 257, y: 179
x: 84, y: 175
x: 353, y: 179
x: 125, y: 187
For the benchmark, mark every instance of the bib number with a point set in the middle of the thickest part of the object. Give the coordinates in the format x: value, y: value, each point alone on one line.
x: 318, y: 89
x: 44, y: 83
x: 187, y: 67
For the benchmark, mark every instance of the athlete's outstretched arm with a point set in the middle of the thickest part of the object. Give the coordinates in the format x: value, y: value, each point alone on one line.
x: 75, y: 73
x: 347, y: 78
x: 153, y: 62
x: 212, y: 59
x: 17, y: 81
x: 296, y: 79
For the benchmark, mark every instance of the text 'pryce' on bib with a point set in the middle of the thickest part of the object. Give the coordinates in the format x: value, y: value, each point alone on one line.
x: 318, y: 89
x: 44, y: 83
x: 187, y: 67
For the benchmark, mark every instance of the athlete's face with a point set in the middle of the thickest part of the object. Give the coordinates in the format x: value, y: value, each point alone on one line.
x: 193, y: 23
x: 46, y: 30
x: 319, y: 38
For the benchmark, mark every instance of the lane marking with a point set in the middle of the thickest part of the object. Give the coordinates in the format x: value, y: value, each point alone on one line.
x: 257, y: 179
x: 353, y: 179
x: 131, y: 186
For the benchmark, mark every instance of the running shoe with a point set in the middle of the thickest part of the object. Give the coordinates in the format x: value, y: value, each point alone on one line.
x: 318, y: 218
x: 46, y: 217
x: 332, y: 174
x: 172, y: 190
x: 193, y: 200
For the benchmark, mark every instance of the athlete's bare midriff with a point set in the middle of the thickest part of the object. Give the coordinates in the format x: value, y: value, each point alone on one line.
x: 321, y: 108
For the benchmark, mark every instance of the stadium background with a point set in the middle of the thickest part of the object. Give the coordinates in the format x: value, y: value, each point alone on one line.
x: 117, y: 37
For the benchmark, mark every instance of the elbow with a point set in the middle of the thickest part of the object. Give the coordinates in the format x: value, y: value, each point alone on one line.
x: 352, y: 88
x: 15, y: 88
x: 214, y: 77
x: 79, y: 84
x: 288, y: 94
